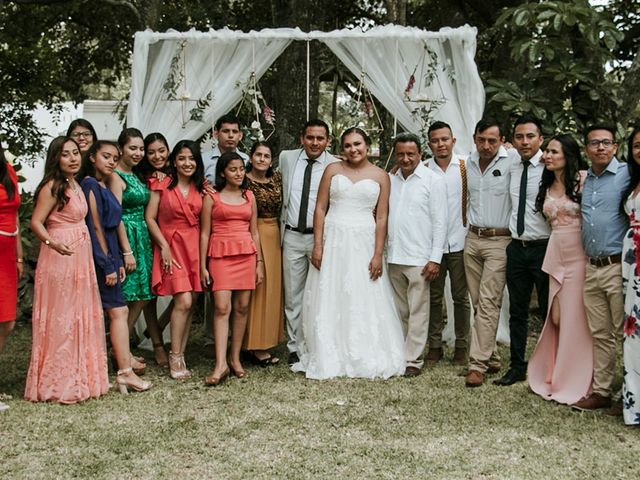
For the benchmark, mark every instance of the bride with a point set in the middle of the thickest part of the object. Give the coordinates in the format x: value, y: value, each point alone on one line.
x: 350, y: 325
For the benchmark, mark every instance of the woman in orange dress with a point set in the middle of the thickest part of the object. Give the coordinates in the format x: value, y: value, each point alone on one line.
x: 173, y: 219
x: 68, y: 358
x: 11, y: 258
x: 265, y: 324
x: 230, y: 260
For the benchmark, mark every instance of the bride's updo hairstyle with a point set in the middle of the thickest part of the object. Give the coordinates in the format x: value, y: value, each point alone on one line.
x: 357, y: 130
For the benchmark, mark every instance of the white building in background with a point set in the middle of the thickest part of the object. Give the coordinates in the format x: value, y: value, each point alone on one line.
x: 101, y: 114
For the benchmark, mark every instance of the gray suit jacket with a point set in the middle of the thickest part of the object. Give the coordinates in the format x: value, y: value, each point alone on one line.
x: 287, y: 167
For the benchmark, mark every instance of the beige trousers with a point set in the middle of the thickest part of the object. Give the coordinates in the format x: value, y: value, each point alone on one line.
x: 604, y: 304
x: 411, y: 296
x: 485, y: 261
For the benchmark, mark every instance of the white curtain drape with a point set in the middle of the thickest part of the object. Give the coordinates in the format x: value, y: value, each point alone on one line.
x: 387, y: 56
x: 221, y: 61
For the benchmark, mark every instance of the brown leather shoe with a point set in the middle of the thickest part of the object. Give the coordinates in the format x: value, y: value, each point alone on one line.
x: 616, y: 409
x: 434, y: 355
x: 412, y: 372
x: 460, y: 357
x: 595, y: 401
x: 494, y: 368
x: 474, y: 379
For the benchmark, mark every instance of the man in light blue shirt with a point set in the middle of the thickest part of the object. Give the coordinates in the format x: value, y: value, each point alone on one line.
x: 603, y: 227
x: 228, y: 134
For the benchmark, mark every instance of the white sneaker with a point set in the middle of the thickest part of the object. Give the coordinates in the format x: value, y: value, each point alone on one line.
x: 3, y: 407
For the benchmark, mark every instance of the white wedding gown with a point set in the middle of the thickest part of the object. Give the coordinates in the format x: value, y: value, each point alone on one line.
x: 349, y: 322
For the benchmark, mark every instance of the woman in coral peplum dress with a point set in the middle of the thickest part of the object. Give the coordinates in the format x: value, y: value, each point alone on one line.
x: 231, y: 261
x: 173, y: 218
x: 561, y: 366
x: 68, y: 358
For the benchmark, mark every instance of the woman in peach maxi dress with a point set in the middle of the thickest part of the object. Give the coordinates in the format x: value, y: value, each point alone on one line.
x: 561, y: 366
x: 68, y: 358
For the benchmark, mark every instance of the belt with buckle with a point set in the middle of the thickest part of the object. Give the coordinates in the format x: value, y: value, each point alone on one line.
x: 490, y: 232
x: 532, y: 243
x: 605, y: 261
x: 306, y: 231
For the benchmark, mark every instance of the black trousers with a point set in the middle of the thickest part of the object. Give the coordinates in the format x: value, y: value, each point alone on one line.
x: 524, y: 270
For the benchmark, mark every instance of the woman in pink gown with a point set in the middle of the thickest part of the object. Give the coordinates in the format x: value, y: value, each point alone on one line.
x: 68, y: 358
x: 561, y: 366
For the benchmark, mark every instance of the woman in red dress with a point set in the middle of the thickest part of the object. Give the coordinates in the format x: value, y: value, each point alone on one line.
x: 172, y: 216
x: 229, y: 241
x: 10, y: 250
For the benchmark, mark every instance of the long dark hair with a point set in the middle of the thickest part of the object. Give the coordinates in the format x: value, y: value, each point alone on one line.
x: 260, y: 143
x: 81, y: 122
x: 223, y: 161
x: 144, y: 169
x: 5, y: 179
x: 632, y: 166
x: 88, y: 169
x: 573, y: 164
x: 198, y: 176
x: 53, y: 173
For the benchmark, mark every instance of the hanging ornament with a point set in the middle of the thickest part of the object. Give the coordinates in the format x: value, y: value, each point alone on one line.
x: 254, y: 107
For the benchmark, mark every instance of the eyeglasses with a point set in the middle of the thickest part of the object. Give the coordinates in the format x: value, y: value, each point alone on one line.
x: 82, y: 135
x: 596, y: 143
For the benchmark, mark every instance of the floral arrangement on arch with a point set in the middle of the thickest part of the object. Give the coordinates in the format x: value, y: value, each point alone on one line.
x: 254, y: 107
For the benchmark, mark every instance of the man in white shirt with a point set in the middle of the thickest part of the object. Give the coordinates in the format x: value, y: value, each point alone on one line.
x: 525, y: 253
x: 452, y: 170
x: 485, y: 260
x: 228, y: 134
x: 415, y: 239
x: 301, y: 171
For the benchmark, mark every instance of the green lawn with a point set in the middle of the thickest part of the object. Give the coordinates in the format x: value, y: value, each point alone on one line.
x: 276, y: 424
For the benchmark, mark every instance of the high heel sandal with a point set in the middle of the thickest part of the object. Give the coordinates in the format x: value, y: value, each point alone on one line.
x: 123, y: 383
x: 213, y: 381
x: 238, y: 372
x: 177, y: 367
x: 164, y: 363
x: 138, y: 370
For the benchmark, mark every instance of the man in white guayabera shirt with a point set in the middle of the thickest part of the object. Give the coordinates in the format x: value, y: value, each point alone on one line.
x: 417, y: 229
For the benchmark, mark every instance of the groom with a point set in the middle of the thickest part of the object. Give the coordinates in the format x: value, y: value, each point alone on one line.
x: 417, y: 230
x: 301, y: 171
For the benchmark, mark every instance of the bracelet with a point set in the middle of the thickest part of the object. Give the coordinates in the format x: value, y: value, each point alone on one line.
x: 260, y: 261
x: 20, y: 260
x: 127, y: 253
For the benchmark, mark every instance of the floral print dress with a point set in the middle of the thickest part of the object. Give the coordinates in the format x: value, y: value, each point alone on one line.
x: 631, y: 285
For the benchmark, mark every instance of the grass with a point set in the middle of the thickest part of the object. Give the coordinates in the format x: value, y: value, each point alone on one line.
x: 275, y: 424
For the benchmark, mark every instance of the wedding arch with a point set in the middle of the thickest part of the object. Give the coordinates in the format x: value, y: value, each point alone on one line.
x: 182, y: 81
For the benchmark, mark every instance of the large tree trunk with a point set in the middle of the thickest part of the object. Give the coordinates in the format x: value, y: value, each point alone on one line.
x: 629, y: 93
x: 288, y: 86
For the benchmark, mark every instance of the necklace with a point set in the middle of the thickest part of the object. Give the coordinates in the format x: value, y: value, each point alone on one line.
x: 184, y: 190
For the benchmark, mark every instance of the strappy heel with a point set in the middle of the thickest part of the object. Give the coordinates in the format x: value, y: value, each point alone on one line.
x: 177, y: 367
x: 124, y: 383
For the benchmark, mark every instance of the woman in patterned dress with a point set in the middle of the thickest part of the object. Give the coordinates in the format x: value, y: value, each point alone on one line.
x: 265, y: 327
x: 631, y: 285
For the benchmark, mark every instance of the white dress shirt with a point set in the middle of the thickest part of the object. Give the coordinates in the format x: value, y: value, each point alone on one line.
x: 295, y: 196
x: 210, y: 160
x: 456, y: 231
x: 489, y: 200
x: 417, y: 226
x: 535, y: 226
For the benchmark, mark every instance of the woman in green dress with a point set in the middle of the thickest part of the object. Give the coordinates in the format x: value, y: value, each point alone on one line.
x: 133, y: 194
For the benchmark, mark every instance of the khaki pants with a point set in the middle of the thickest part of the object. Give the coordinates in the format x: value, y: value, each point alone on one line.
x: 485, y: 261
x: 453, y: 263
x: 411, y: 296
x: 604, y: 304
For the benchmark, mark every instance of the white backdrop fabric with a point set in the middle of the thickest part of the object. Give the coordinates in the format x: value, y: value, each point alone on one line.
x: 221, y: 61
